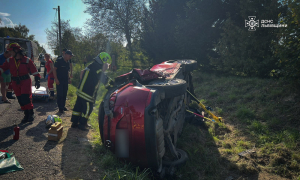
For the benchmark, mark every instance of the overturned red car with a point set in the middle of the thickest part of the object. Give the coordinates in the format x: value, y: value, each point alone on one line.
x: 142, y: 115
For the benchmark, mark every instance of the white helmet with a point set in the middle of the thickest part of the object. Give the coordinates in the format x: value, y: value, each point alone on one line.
x: 50, y: 120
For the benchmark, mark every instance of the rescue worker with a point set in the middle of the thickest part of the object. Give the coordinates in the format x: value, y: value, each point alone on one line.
x: 91, y: 77
x: 70, y: 62
x: 62, y: 78
x: 20, y: 66
x: 4, y: 78
x: 49, y: 67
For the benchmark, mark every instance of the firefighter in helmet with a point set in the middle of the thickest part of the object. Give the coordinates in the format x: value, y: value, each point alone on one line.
x: 91, y: 77
x: 20, y: 67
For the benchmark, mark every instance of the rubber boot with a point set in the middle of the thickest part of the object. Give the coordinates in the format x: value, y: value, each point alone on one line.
x: 10, y: 96
x: 26, y: 115
x: 30, y: 115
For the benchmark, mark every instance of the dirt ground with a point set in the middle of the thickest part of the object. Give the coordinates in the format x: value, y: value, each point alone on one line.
x: 68, y: 158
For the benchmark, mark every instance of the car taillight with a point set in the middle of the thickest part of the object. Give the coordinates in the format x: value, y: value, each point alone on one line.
x: 112, y: 101
x: 149, y: 98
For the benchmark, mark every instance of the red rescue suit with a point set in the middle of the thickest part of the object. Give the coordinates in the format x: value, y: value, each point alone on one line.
x: 21, y: 84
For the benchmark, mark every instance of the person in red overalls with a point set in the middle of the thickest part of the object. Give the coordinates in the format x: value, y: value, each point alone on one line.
x: 49, y: 66
x: 20, y: 66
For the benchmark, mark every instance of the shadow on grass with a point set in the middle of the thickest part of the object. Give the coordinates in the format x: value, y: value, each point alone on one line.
x: 199, y: 139
x: 76, y: 160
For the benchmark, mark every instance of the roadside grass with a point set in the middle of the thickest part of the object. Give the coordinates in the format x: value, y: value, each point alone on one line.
x: 259, y: 114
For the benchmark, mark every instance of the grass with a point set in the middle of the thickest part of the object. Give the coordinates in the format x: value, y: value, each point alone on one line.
x: 259, y: 114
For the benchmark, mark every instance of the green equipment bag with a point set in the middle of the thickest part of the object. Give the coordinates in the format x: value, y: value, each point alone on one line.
x: 9, y: 164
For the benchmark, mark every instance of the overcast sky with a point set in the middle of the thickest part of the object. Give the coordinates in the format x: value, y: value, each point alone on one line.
x: 38, y: 14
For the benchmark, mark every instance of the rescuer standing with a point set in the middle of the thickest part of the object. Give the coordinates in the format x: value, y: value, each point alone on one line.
x: 20, y: 67
x: 62, y: 78
x: 92, y: 75
x: 49, y: 66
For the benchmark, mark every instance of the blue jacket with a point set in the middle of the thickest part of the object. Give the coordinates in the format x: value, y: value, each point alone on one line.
x: 2, y: 60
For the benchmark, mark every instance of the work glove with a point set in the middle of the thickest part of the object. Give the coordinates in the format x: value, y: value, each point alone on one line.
x: 37, y: 82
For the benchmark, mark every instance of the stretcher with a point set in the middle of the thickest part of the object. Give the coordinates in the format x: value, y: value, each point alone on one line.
x: 40, y: 94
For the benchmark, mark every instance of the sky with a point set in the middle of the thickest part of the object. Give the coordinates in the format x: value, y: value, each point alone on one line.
x: 38, y: 14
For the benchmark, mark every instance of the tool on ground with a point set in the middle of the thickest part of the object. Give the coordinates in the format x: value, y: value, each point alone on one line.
x: 200, y: 115
x: 16, y: 132
x: 51, y: 119
x: 217, y: 119
x: 55, y: 132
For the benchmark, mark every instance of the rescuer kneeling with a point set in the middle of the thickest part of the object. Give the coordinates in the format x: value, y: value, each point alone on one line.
x: 20, y: 67
x: 91, y: 77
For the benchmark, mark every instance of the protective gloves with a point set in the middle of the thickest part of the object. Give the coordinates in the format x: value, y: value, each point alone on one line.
x: 37, y: 82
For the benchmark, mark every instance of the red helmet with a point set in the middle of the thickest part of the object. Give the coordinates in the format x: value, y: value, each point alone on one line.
x: 12, y: 46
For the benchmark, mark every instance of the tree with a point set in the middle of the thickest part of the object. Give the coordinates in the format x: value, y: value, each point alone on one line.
x: 116, y: 18
x: 288, y: 47
x: 248, y: 53
x: 23, y: 30
x: 52, y: 34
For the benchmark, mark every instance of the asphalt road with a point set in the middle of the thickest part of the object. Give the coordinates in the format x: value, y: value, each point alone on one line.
x: 32, y: 149
x: 40, y: 158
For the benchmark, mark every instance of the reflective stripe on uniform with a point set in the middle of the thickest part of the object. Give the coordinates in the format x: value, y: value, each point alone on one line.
x: 76, y: 113
x: 7, y: 60
x: 87, y: 111
x: 27, y: 61
x: 84, y: 79
x: 35, y: 73
x: 84, y: 96
x: 100, y: 70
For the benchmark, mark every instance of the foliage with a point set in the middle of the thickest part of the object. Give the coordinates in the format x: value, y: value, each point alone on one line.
x: 116, y: 18
x: 248, y: 53
x: 52, y: 33
x: 288, y: 47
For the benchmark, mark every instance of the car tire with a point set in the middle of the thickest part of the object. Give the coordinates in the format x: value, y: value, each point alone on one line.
x: 171, y: 88
x: 183, y: 157
x: 188, y: 65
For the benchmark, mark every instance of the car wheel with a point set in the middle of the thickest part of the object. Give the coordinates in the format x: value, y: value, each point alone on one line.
x: 183, y: 157
x: 171, y: 88
x: 188, y: 65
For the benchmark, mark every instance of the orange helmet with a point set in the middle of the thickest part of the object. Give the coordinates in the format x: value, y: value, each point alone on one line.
x: 13, y: 46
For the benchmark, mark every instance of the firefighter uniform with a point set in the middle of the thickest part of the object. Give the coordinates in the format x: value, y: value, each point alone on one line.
x: 21, y: 82
x: 86, y: 93
x: 62, y: 73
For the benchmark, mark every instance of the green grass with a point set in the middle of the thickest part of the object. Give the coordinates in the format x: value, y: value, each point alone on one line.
x: 261, y: 114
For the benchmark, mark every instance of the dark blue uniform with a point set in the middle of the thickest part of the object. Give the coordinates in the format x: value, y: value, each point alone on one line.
x: 62, y: 73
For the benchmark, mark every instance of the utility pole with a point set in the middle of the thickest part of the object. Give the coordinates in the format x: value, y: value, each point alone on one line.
x: 59, y: 30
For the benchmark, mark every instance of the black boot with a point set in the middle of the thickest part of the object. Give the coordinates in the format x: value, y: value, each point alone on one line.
x: 10, y: 96
x: 30, y: 115
x: 26, y: 115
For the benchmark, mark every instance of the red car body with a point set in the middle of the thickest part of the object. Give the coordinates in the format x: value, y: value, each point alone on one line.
x: 130, y: 121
